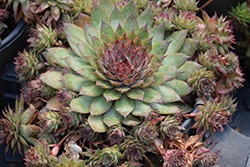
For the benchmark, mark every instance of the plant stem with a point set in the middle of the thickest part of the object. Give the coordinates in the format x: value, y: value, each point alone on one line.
x: 205, y: 5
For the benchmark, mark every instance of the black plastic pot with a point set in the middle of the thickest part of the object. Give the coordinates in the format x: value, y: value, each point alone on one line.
x: 9, y: 48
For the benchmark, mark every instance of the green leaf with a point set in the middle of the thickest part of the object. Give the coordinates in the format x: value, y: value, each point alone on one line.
x: 76, y: 63
x: 131, y: 121
x: 143, y: 32
x: 177, y: 40
x: 159, y: 48
x: 90, y: 89
x: 146, y: 17
x: 160, y: 77
x: 151, y: 95
x: 136, y: 94
x: 90, y: 31
x: 107, y: 29
x: 56, y: 55
x: 74, y: 81
x: 97, y: 42
x: 85, y: 50
x: 107, y: 6
x: 120, y: 31
x: 74, y: 31
x: 116, y: 18
x: 112, y: 117
x: 124, y: 105
x: 165, y: 108
x: 52, y: 78
x: 175, y: 59
x: 172, y: 71
x: 179, y: 86
x: 157, y: 32
x: 189, y: 47
x: 97, y: 123
x: 88, y: 72
x: 141, y: 109
x: 103, y: 84
x: 81, y: 104
x: 131, y: 23
x: 112, y: 94
x: 188, y: 68
x: 128, y: 9
x: 99, y: 106
x: 147, y: 43
x: 97, y: 14
x: 167, y: 94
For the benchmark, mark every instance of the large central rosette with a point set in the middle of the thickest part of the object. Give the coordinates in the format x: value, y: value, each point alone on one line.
x: 120, y: 66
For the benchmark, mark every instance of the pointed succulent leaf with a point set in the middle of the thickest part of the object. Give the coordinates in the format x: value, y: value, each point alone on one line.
x: 88, y: 72
x: 55, y: 55
x: 151, y: 95
x: 157, y: 32
x: 92, y: 59
x: 142, y: 32
x: 128, y: 9
x: 160, y: 77
x: 159, y: 48
x: 172, y: 71
x: 131, y: 35
x: 107, y: 6
x: 120, y: 30
x: 84, y: 49
x: 146, y: 17
x: 76, y: 63
x: 175, y: 59
x: 99, y: 106
x: 27, y: 114
x: 131, y: 23
x: 81, y: 104
x: 116, y: 18
x: 130, y: 120
x: 103, y: 84
x: 97, y: 123
x: 112, y: 94
x: 112, y: 117
x: 74, y: 81
x: 167, y: 94
x: 124, y: 105
x: 188, y: 68
x: 52, y: 78
x: 147, y: 43
x: 90, y: 31
x: 107, y: 29
x: 74, y: 31
x: 123, y: 89
x: 179, y: 86
x: 29, y: 130
x: 165, y: 108
x: 189, y: 47
x: 97, y: 42
x: 136, y: 94
x: 177, y: 40
x: 97, y: 14
x: 141, y: 109
x: 90, y: 89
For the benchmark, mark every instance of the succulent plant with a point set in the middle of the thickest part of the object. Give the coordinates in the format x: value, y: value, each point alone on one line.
x: 28, y: 65
x: 166, y: 17
x: 16, y: 129
x: 226, y: 68
x: 133, y: 150
x: 121, y: 69
x: 169, y: 127
x: 49, y: 121
x: 131, y: 164
x: 71, y: 118
x: 175, y: 157
x: 240, y: 16
x: 63, y: 161
x: 85, y: 6
x: 185, y: 21
x: 39, y: 155
x: 188, y: 5
x: 51, y: 10
x: 116, y: 134
x: 221, y: 30
x: 86, y: 132
x: 203, y: 81
x: 146, y: 132
x: 21, y: 9
x: 109, y: 156
x: 42, y: 37
x: 214, y: 114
